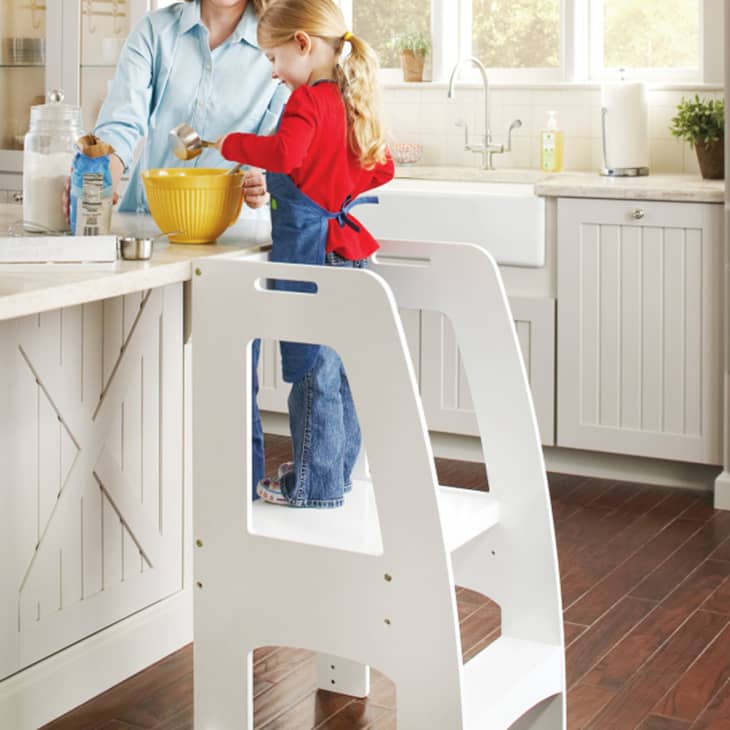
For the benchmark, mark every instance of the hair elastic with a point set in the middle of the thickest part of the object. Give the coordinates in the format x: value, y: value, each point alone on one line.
x: 347, y: 36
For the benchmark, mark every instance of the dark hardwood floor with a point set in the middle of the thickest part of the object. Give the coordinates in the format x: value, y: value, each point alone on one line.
x: 645, y: 574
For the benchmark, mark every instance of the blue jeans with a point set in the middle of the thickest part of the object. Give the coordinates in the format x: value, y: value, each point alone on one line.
x: 257, y: 432
x: 324, y: 429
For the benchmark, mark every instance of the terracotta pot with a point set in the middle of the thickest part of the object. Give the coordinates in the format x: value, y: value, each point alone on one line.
x: 412, y: 65
x: 711, y: 157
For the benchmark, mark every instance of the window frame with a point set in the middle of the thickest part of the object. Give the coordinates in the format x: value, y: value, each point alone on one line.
x: 581, y: 48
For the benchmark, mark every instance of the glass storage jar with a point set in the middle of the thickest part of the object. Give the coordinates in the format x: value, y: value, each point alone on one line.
x: 47, y: 159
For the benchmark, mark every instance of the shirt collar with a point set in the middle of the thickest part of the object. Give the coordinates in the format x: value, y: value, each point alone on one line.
x: 190, y: 16
x: 245, y: 30
x: 247, y: 27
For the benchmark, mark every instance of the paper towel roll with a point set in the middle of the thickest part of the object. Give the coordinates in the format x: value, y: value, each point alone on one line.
x: 627, y: 124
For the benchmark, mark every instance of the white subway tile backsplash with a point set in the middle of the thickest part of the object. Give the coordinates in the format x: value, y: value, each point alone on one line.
x: 424, y: 114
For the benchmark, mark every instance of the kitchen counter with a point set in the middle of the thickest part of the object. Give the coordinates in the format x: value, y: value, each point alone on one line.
x: 31, y: 288
x: 682, y: 188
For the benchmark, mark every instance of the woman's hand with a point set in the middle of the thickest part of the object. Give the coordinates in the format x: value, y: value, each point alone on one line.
x: 254, y: 188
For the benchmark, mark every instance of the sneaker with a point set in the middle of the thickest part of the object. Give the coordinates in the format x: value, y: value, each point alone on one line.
x: 285, y: 468
x: 270, y: 491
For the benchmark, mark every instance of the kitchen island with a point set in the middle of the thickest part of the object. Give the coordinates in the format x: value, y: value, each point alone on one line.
x: 96, y: 562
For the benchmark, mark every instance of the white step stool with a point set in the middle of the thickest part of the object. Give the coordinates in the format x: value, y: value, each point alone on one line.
x: 372, y: 583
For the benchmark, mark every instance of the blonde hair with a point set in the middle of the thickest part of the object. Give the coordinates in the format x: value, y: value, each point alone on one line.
x: 357, y: 76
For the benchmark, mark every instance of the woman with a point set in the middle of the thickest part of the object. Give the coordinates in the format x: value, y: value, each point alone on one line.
x: 196, y: 62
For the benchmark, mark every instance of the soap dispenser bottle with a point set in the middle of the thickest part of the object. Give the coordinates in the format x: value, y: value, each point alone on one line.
x: 551, y: 145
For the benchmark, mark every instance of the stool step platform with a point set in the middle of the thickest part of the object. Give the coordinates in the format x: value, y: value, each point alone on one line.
x: 465, y: 514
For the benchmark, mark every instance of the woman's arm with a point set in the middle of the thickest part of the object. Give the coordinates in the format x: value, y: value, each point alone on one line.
x: 124, y: 116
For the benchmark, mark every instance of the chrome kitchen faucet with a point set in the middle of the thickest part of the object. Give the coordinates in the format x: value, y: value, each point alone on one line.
x: 487, y: 148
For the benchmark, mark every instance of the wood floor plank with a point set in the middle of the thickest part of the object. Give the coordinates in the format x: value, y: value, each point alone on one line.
x: 632, y: 650
x: 598, y: 640
x: 635, y: 700
x: 629, y: 573
x: 704, y: 679
x: 584, y: 703
x: 312, y: 710
x: 572, y: 632
x: 591, y: 565
x: 717, y: 714
x: 656, y: 722
x: 702, y: 544
x: 481, y: 623
x: 355, y: 716
x: 719, y: 601
x: 294, y: 686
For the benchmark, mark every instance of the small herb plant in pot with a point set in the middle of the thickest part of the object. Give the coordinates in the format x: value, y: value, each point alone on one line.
x: 701, y: 122
x: 413, y: 47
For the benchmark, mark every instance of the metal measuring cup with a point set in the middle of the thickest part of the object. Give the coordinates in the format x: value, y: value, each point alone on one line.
x: 186, y: 142
x: 138, y: 248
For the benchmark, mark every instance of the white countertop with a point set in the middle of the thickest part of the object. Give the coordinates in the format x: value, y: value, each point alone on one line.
x: 31, y: 288
x: 682, y: 188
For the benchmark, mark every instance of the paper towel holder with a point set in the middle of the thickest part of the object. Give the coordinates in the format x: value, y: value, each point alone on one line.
x: 616, y: 171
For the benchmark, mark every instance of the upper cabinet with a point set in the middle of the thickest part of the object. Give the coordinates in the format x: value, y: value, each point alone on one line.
x: 640, y: 328
x: 71, y: 45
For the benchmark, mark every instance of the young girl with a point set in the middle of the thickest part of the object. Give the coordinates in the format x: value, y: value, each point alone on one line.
x: 328, y: 149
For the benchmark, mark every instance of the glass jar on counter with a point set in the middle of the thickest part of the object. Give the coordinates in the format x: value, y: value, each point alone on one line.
x: 47, y: 159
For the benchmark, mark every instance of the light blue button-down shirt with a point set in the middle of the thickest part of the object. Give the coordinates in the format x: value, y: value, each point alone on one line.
x: 167, y: 75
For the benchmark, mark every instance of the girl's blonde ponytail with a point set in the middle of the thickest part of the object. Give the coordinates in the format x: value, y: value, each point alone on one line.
x: 360, y: 90
x: 357, y: 77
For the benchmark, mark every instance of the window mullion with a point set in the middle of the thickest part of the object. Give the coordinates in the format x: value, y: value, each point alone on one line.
x: 712, y: 22
x: 445, y: 37
x: 575, y: 29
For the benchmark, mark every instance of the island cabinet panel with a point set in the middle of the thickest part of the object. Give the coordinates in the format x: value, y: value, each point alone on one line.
x: 91, y: 447
x: 640, y: 328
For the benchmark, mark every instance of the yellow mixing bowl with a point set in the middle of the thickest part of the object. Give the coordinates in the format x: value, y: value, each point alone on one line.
x: 200, y: 202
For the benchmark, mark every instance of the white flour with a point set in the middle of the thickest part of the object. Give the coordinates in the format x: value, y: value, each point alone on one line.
x: 44, y: 179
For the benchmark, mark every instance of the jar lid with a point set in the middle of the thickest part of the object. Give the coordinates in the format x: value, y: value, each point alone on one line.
x: 54, y: 113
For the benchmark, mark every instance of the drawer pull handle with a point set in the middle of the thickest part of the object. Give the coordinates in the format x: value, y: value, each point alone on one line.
x: 637, y: 214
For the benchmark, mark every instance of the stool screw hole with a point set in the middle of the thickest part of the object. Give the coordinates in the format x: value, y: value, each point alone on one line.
x: 387, y: 622
x: 199, y: 543
x: 332, y: 681
x: 199, y: 584
x: 332, y: 666
x: 198, y: 272
x: 388, y: 577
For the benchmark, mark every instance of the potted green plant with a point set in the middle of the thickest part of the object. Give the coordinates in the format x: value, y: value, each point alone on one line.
x: 701, y: 123
x: 413, y: 47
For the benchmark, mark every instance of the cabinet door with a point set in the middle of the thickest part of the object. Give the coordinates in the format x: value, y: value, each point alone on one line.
x: 273, y: 391
x: 91, y: 492
x: 639, y: 328
x: 444, y: 387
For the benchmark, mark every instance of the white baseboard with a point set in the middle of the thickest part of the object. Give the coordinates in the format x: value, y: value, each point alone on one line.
x: 66, y: 680
x: 660, y: 472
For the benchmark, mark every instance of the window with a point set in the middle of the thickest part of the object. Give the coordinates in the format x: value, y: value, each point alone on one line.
x: 379, y: 20
x: 516, y: 33
x: 555, y: 40
x: 650, y: 37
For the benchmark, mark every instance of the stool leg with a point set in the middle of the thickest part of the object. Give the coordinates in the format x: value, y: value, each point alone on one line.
x: 336, y: 674
x: 223, y: 691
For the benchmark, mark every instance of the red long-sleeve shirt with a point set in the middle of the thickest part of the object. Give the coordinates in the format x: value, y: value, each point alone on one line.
x: 311, y: 147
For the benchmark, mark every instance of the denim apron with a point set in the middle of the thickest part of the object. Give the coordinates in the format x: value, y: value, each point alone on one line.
x: 299, y: 235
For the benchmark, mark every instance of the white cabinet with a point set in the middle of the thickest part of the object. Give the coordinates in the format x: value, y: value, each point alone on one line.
x: 639, y: 328
x: 91, y: 452
x: 445, y: 390
x: 273, y: 391
x: 57, y: 44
